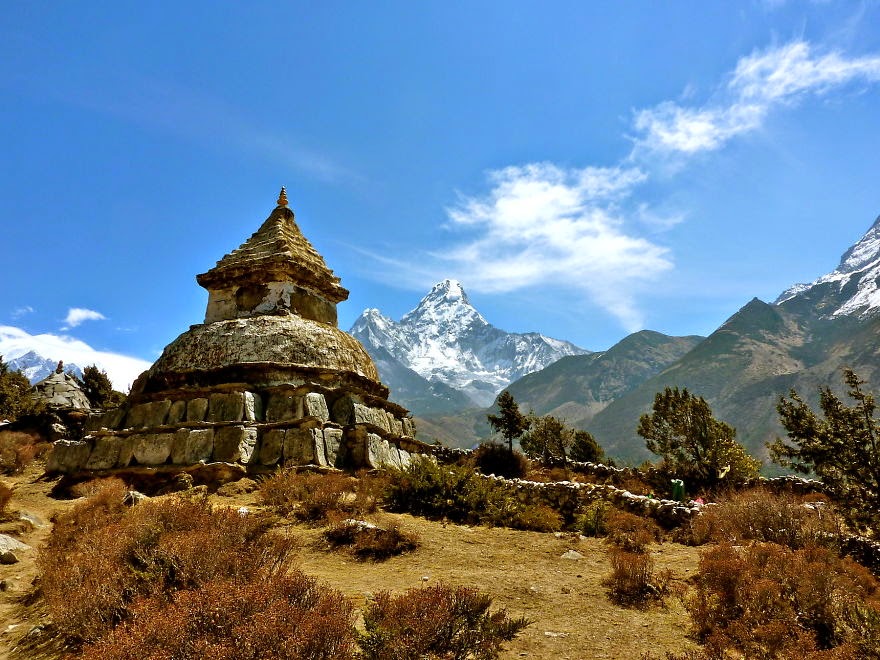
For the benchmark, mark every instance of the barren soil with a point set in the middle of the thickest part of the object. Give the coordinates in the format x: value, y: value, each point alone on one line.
x: 522, y: 571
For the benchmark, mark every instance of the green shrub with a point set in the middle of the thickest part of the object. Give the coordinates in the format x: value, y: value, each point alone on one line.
x: 457, y: 493
x: 435, y: 622
x: 494, y: 458
x: 594, y: 520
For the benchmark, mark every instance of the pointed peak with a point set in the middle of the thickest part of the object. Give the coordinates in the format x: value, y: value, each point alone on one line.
x: 282, y: 197
x: 448, y: 290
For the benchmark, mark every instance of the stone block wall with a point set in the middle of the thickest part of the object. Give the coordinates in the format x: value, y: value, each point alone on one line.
x: 276, y: 426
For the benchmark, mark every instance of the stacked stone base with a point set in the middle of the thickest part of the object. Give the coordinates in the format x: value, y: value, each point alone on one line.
x: 257, y: 428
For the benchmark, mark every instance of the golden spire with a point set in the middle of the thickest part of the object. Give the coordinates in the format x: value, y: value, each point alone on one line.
x: 282, y: 197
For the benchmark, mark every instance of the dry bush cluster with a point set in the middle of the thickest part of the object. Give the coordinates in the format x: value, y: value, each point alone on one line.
x: 494, y: 458
x: 769, y: 601
x: 456, y: 493
x: 759, y: 515
x: 5, y: 497
x: 176, y: 578
x: 435, y: 622
x: 101, y: 557
x: 314, y: 497
x: 633, y: 581
x: 371, y: 541
x: 18, y: 450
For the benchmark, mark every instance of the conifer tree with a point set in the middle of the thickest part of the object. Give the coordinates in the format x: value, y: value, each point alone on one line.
x: 693, y: 444
x: 15, y: 394
x: 509, y: 421
x: 843, y: 449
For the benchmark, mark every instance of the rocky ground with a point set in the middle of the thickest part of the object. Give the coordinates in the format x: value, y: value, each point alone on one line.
x: 524, y: 572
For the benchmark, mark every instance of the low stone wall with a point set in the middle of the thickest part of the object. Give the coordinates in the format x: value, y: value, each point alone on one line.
x: 570, y: 497
x: 283, y: 425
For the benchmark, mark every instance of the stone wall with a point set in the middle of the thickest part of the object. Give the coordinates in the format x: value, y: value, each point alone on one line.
x: 275, y: 426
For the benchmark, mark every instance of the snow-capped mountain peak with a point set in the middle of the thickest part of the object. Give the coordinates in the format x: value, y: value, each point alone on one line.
x: 849, y: 290
x: 446, y: 340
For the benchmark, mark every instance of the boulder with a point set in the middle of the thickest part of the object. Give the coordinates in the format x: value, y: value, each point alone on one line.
x: 283, y: 407
x: 177, y: 412
x: 271, y: 446
x: 315, y: 405
x: 253, y: 407
x: 333, y: 447
x: 104, y: 454
x: 226, y: 407
x: 199, y: 446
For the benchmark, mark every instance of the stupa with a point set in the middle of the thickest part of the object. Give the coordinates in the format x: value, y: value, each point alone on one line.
x: 267, y: 379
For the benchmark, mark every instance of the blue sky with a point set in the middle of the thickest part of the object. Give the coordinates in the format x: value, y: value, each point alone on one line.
x: 585, y: 169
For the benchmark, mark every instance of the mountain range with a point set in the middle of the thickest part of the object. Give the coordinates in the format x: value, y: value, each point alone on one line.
x: 444, y: 355
x: 36, y: 367
x: 802, y: 340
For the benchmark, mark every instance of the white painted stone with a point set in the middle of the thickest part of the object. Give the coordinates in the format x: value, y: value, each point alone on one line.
x: 333, y: 445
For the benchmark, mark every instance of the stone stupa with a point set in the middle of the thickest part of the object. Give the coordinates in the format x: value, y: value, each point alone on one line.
x: 267, y: 379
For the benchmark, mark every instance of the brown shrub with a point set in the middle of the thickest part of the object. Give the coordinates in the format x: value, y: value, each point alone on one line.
x: 497, y: 459
x: 435, y: 622
x: 631, y: 532
x: 759, y: 515
x: 283, y: 616
x: 536, y: 518
x: 371, y: 542
x: 18, y: 450
x: 95, y: 486
x: 769, y: 601
x: 308, y: 496
x: 102, y: 557
x: 632, y: 581
x: 5, y: 497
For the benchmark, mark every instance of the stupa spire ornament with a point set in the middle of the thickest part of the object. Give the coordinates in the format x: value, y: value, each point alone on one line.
x: 282, y: 197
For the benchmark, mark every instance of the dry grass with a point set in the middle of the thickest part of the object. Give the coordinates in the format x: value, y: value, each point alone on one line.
x: 521, y: 571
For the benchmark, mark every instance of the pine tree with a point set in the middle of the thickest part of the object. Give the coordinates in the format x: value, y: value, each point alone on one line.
x: 843, y: 449
x: 510, y: 422
x: 693, y: 444
x: 98, y: 388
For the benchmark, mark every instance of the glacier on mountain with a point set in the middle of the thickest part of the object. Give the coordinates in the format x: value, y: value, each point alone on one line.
x: 852, y: 288
x: 446, y: 340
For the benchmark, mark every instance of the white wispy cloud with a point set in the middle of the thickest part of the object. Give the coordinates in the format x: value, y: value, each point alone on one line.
x: 77, y: 315
x: 760, y: 82
x: 542, y: 225
x: 18, y: 312
x: 121, y: 369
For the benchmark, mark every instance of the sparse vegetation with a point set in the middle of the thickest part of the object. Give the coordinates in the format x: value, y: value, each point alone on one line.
x: 18, y: 450
x: 318, y: 498
x: 102, y: 557
x: 843, y: 449
x: 758, y: 515
x: 436, y: 622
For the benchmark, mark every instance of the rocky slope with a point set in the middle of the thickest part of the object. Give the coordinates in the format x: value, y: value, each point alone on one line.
x: 461, y: 359
x: 802, y: 341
